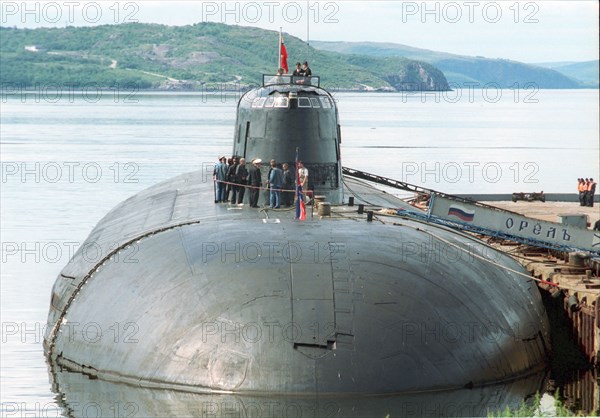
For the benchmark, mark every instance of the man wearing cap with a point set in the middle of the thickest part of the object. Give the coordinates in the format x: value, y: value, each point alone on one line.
x: 220, y: 176
x: 298, y: 71
x: 306, y: 72
x: 255, y: 182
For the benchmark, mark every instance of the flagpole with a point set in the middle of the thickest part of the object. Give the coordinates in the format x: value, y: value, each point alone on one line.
x: 297, y: 187
x: 279, y: 56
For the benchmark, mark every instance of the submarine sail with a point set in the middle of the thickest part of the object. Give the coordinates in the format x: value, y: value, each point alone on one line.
x: 275, y: 120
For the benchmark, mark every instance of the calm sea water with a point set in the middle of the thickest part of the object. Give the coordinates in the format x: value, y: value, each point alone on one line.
x: 67, y: 160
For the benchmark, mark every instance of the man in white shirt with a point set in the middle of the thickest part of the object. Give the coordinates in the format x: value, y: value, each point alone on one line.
x: 302, y: 176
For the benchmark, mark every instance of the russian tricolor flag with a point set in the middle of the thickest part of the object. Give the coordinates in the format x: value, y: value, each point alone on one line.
x: 461, y: 213
x: 300, y: 206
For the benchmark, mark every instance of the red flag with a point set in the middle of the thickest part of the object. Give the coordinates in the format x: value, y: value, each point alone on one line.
x: 302, y: 215
x: 284, y: 56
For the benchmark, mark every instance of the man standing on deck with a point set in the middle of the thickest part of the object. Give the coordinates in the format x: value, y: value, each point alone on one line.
x: 288, y: 186
x: 275, y: 184
x: 591, y: 189
x: 302, y: 175
x: 231, y: 180
x: 241, y: 175
x: 581, y: 188
x: 303, y: 179
x: 255, y: 182
x: 584, y: 187
x: 268, y: 191
x: 220, y: 177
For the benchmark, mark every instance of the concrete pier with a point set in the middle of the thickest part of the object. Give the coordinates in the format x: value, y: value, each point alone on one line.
x: 549, y: 211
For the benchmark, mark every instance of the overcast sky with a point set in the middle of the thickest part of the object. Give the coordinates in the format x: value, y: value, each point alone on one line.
x: 528, y: 31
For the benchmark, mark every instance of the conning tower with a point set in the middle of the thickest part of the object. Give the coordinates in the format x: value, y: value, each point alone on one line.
x: 289, y: 113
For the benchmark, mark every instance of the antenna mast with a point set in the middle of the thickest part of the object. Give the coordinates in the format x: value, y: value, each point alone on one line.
x: 307, y: 30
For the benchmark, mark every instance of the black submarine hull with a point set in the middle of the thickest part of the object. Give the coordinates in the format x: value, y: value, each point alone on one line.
x: 193, y: 296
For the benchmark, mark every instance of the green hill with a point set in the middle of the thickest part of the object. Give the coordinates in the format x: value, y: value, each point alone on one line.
x: 199, y: 56
x: 586, y: 72
x: 459, y: 69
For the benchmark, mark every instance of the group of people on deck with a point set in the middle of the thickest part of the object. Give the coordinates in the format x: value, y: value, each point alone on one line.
x: 229, y: 176
x: 302, y: 70
x: 586, y: 189
x: 232, y: 178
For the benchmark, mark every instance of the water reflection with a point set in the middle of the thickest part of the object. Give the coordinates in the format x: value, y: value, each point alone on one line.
x: 581, y: 394
x: 82, y: 396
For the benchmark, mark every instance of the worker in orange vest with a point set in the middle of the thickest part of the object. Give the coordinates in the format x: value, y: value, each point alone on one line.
x: 581, y: 188
x: 591, y: 189
x: 586, y: 182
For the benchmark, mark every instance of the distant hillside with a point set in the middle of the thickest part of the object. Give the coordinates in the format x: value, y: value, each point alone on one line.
x: 460, y: 69
x: 586, y: 72
x: 189, y: 57
x: 382, y: 49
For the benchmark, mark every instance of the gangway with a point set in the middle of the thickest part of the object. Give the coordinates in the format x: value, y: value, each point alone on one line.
x: 472, y: 216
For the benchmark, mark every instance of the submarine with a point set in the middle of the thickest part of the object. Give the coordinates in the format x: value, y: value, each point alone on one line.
x: 193, y: 296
